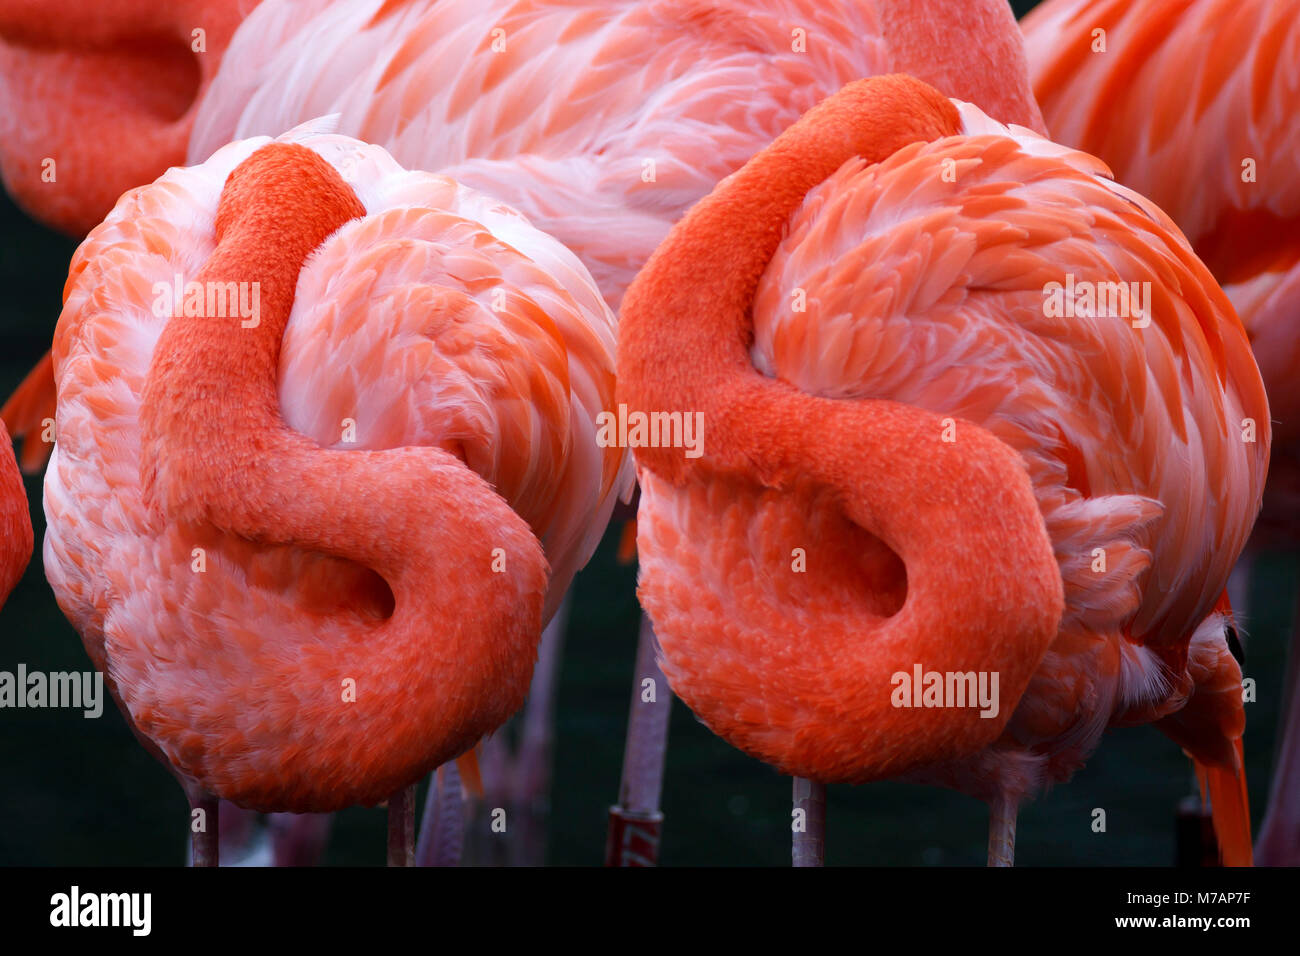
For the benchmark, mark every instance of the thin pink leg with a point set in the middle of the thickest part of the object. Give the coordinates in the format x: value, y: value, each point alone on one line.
x: 401, y: 827
x: 530, y: 783
x: 205, y: 843
x: 442, y: 832
x: 634, y: 823
x: 809, y: 845
x: 1002, y: 832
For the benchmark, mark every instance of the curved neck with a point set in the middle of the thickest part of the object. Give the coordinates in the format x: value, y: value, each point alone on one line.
x: 693, y: 296
x: 972, y: 50
x: 275, y: 209
x: 214, y: 445
x: 961, y: 516
x: 457, y: 651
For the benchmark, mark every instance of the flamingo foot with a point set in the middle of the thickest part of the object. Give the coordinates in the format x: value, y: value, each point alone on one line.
x: 529, y: 780
x: 401, y: 827
x: 1002, y: 832
x: 809, y: 846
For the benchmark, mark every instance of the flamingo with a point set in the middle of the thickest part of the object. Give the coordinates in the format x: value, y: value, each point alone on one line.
x: 15, y: 522
x: 1191, y: 102
x: 312, y: 550
x: 869, y: 286
x: 602, y: 121
x: 118, y: 91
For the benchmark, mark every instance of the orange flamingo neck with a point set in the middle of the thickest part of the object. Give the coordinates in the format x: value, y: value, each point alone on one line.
x: 276, y: 208
x: 984, y: 591
x: 453, y: 660
x: 703, y: 278
x: 213, y: 382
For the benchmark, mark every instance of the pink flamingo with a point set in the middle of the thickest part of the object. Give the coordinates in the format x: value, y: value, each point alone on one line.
x: 602, y: 121
x: 1192, y: 102
x: 310, y: 543
x: 913, y: 462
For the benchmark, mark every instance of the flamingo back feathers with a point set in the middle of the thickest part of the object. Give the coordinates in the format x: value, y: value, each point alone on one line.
x: 603, y: 124
x: 1192, y: 104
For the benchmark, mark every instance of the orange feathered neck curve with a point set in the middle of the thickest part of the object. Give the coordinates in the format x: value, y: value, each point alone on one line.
x: 453, y: 660
x: 962, y: 511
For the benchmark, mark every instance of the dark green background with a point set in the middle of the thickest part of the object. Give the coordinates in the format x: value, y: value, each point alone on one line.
x: 76, y: 791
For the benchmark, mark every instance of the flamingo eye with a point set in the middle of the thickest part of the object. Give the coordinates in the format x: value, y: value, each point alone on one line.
x: 1234, y: 643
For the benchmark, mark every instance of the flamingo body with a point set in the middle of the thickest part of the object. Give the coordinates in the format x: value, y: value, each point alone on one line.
x: 1192, y: 103
x: 924, y: 305
x: 601, y: 122
x: 470, y: 354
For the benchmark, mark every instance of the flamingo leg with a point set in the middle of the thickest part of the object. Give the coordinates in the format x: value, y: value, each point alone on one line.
x: 299, y: 839
x: 634, y: 823
x: 1002, y: 832
x: 497, y: 766
x: 809, y: 843
x: 530, y: 780
x: 401, y: 827
x: 442, y: 832
x: 514, y: 778
x: 204, y: 843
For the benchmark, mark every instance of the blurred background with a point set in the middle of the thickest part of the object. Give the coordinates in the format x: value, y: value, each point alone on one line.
x: 83, y: 792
